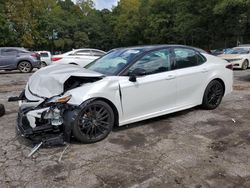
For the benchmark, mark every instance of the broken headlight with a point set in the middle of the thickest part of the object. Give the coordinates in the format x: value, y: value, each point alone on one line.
x: 54, y: 115
x: 64, y: 99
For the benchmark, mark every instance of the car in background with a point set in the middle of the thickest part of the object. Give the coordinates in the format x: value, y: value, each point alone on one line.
x: 125, y: 86
x: 238, y: 56
x: 45, y: 58
x: 217, y: 52
x: 15, y: 58
x: 80, y: 57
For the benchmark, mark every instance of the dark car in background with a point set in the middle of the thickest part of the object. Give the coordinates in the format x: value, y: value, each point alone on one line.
x: 14, y: 58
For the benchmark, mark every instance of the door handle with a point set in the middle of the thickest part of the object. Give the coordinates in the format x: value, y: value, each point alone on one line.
x: 204, y: 70
x: 170, y: 77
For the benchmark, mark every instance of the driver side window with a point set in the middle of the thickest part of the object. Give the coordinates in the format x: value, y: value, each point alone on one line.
x: 152, y: 63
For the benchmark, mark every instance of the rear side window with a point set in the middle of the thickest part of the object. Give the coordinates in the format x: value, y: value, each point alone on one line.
x: 8, y: 52
x: 185, y: 58
x: 83, y: 53
x: 23, y: 51
x: 44, y: 54
x: 97, y: 53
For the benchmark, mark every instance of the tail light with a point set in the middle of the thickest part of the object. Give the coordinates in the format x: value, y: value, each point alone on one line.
x: 56, y: 58
x: 36, y: 55
x: 230, y: 66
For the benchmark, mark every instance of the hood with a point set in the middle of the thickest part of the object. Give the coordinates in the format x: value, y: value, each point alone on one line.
x: 49, y: 81
x: 231, y: 56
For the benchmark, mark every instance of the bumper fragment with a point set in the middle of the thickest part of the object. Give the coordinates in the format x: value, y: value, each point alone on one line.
x: 44, y: 131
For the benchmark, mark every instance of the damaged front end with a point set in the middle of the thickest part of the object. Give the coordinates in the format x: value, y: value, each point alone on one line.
x: 46, y: 114
x: 49, y: 122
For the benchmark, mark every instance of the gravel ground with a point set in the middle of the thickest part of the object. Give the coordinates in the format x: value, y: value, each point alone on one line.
x: 192, y: 148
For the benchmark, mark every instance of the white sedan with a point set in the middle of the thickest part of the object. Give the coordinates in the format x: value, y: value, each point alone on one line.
x: 125, y: 86
x: 80, y: 57
x: 238, y: 56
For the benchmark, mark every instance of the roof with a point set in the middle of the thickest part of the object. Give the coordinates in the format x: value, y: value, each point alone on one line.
x: 158, y: 46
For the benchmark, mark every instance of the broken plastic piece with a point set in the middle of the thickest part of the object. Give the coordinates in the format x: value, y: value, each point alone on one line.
x: 35, y: 149
x: 60, y: 158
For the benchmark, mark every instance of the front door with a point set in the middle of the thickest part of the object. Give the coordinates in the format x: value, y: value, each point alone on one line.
x: 154, y: 90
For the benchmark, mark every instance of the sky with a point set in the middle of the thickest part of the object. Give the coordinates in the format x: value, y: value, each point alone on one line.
x: 101, y: 4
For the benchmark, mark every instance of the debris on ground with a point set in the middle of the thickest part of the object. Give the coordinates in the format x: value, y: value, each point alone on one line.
x: 60, y: 158
x: 35, y: 149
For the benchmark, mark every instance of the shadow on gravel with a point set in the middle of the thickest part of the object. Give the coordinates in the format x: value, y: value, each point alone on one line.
x: 154, y: 120
x: 13, y: 72
x: 245, y: 78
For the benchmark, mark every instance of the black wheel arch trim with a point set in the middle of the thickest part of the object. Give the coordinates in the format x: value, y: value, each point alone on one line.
x: 111, y: 104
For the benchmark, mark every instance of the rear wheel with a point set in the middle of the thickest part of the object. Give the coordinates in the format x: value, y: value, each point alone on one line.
x: 25, y: 67
x: 43, y: 64
x: 244, y: 65
x: 213, y: 95
x: 94, y: 122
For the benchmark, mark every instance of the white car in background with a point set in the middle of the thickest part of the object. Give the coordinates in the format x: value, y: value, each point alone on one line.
x: 80, y: 57
x: 45, y: 58
x: 238, y: 56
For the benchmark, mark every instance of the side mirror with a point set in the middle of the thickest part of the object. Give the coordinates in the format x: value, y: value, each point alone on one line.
x: 135, y: 73
x: 132, y: 78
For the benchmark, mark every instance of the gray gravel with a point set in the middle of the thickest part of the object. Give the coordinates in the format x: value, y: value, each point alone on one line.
x: 192, y: 148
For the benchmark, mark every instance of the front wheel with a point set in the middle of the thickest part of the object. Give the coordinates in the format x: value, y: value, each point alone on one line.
x: 94, y: 122
x: 213, y: 95
x: 25, y: 67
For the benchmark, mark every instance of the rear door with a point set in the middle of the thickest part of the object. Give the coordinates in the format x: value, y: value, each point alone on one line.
x: 191, y: 76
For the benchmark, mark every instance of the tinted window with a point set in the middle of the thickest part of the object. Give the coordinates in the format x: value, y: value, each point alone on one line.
x: 187, y: 58
x: 97, y: 53
x: 238, y: 51
x: 153, y: 62
x: 44, y: 54
x: 8, y: 52
x: 83, y: 53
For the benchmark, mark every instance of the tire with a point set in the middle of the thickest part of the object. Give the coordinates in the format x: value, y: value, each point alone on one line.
x: 25, y: 67
x: 244, y: 65
x: 2, y: 110
x: 213, y: 95
x: 43, y: 64
x: 94, y: 122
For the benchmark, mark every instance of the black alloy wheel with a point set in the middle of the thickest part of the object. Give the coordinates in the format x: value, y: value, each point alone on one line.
x: 213, y: 95
x: 94, y: 122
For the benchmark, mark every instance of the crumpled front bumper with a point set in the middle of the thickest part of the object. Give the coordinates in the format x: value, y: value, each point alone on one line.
x: 44, y: 131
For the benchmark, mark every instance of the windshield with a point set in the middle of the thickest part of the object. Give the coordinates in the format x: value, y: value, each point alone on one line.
x: 238, y: 51
x: 114, y: 61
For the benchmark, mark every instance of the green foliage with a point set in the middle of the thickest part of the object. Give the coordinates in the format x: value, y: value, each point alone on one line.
x: 63, y: 25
